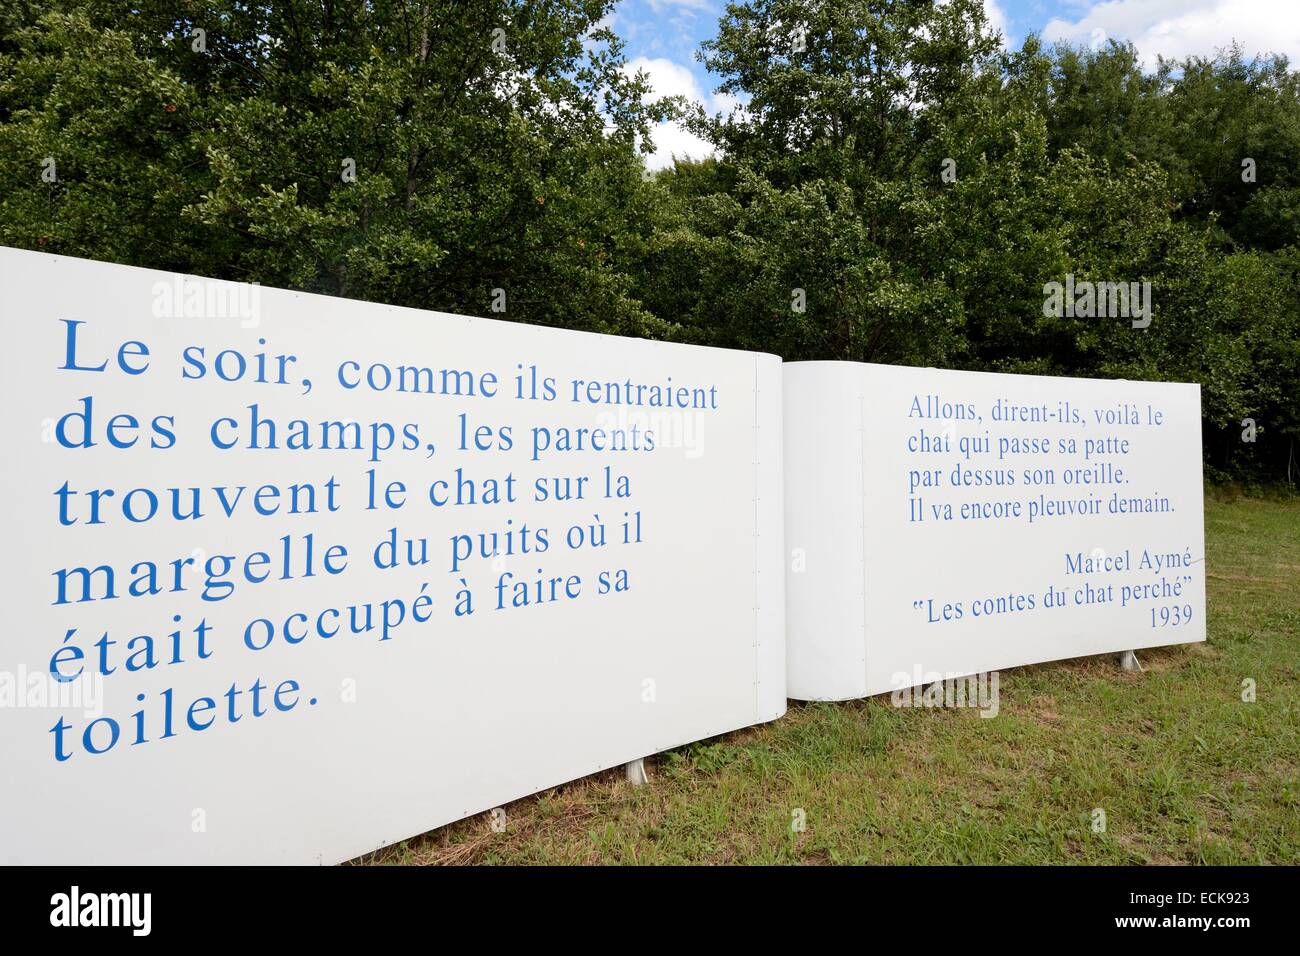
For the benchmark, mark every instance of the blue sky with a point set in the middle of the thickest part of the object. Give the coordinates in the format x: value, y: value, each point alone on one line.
x: 663, y: 35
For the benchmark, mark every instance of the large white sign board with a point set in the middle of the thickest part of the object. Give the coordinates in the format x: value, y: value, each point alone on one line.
x: 947, y: 523
x: 282, y: 506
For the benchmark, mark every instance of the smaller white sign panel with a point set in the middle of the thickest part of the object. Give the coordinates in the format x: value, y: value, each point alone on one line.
x: 947, y: 523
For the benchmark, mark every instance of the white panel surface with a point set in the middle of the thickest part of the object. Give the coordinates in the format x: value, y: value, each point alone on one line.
x: 385, y: 738
x: 826, y: 622
x: 948, y: 596
x: 769, y: 589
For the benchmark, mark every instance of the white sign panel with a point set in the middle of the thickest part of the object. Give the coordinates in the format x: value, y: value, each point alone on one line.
x: 947, y: 523
x: 288, y: 578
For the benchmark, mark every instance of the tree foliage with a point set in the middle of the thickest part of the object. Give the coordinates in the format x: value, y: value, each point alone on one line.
x: 419, y: 154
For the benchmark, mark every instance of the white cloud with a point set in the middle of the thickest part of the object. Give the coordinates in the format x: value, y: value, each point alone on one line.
x: 669, y: 78
x: 997, y: 18
x: 1179, y: 28
x: 671, y: 142
x: 658, y: 6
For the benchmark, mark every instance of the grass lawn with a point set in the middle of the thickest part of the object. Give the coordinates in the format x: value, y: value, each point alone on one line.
x: 1185, y: 771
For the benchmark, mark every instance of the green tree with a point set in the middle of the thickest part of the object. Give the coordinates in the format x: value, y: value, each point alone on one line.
x: 819, y: 240
x: 422, y: 154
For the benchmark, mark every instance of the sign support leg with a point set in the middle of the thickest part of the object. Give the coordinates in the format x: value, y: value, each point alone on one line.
x: 1128, y: 661
x: 636, y: 772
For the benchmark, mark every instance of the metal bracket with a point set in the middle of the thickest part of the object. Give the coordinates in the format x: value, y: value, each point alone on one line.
x: 1128, y: 660
x: 636, y: 772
